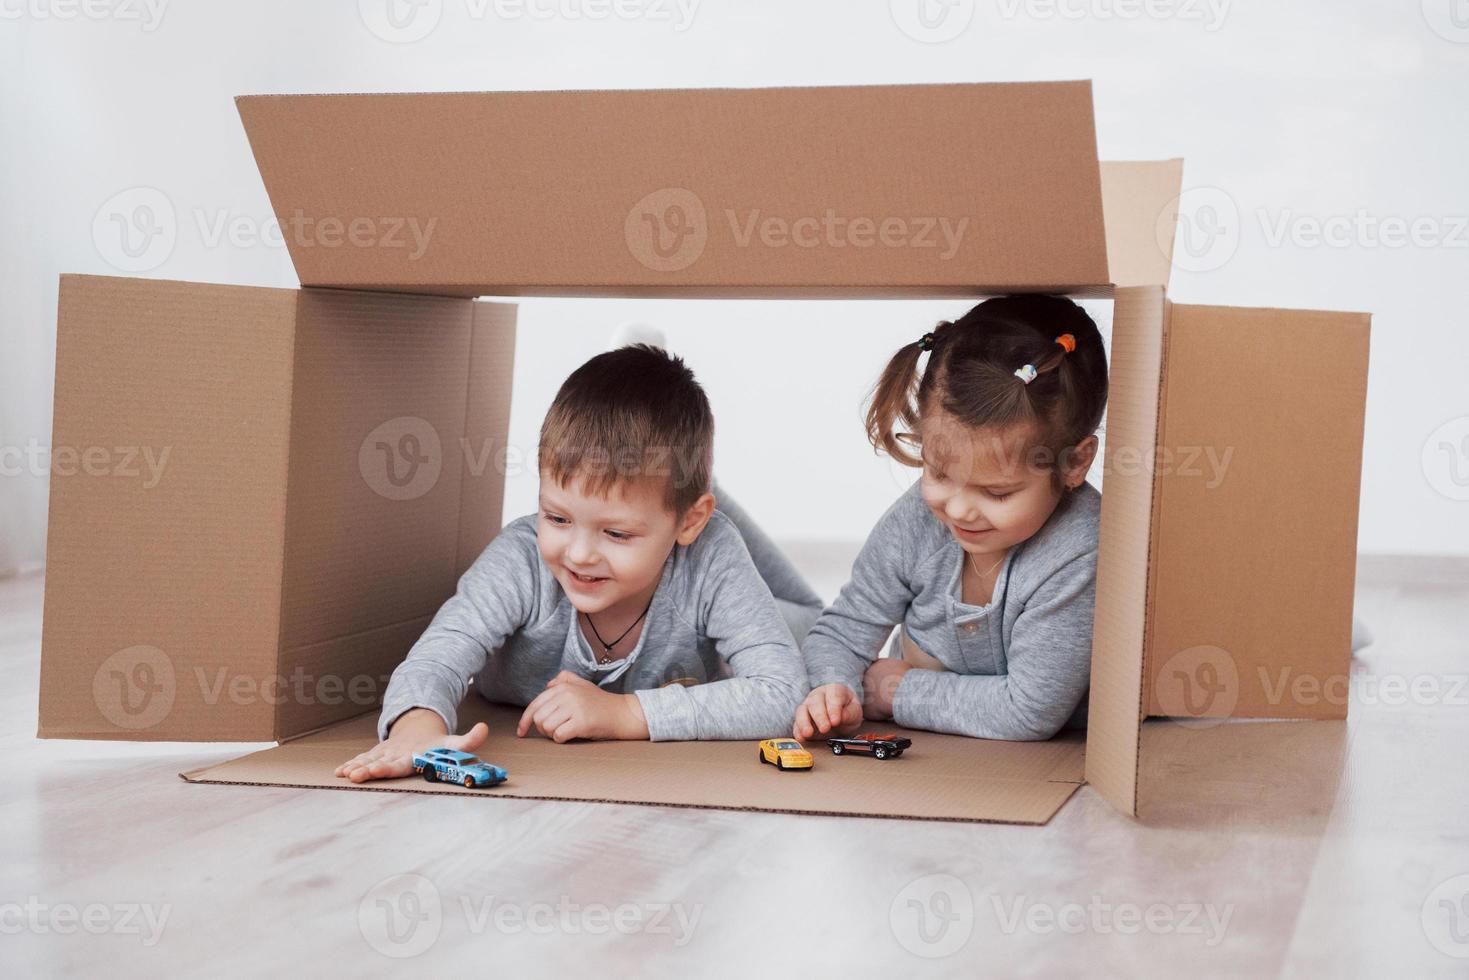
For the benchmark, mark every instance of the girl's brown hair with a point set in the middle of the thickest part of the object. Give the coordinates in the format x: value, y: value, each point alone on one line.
x: 971, y: 376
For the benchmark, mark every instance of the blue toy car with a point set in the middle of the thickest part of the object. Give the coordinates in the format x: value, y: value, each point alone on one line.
x: 457, y: 767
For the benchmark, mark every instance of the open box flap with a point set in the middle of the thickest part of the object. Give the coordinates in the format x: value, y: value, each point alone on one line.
x: 1258, y: 469
x: 197, y: 379
x: 866, y: 190
x: 1140, y: 199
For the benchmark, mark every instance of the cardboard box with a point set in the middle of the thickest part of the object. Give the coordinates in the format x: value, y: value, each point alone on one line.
x: 1224, y: 584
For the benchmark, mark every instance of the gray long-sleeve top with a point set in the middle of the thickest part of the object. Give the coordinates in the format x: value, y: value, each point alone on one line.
x: 1016, y: 668
x: 713, y: 624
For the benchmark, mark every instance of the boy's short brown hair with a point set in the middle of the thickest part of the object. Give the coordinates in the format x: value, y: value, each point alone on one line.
x: 635, y: 413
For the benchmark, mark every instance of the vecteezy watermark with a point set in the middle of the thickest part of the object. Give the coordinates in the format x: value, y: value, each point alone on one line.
x: 1446, y: 458
x: 141, y: 919
x: 932, y: 916
x: 1363, y: 229
x: 137, y: 230
x: 1101, y: 917
x: 932, y: 21
x: 1449, y: 19
x: 1210, y: 14
x: 1284, y: 684
x: 406, y: 21
x: 402, y: 916
x: 144, y: 463
x: 1201, y: 227
x: 402, y: 458
x: 1198, y: 687
x: 669, y: 229
x: 147, y: 14
x: 1445, y: 917
x: 135, y: 687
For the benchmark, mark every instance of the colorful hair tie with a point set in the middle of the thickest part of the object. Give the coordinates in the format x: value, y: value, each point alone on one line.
x: 1026, y: 373
x: 1067, y: 341
x: 925, y: 342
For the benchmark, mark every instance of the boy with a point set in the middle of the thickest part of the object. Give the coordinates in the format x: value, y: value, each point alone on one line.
x: 628, y: 607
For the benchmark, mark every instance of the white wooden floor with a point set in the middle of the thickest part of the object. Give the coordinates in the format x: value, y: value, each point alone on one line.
x: 1303, y: 849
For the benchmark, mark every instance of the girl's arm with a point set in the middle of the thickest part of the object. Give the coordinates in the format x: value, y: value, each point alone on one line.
x: 851, y: 632
x: 495, y: 597
x: 741, y: 617
x: 1049, y: 670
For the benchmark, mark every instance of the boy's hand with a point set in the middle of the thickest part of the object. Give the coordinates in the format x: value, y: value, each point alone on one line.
x: 414, y: 731
x: 831, y: 709
x: 573, y: 707
x: 880, y: 685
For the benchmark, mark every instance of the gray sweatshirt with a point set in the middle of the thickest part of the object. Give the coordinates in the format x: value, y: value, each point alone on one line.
x: 1016, y: 668
x: 713, y: 624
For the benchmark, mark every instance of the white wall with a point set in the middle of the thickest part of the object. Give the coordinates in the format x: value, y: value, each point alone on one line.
x: 1320, y: 111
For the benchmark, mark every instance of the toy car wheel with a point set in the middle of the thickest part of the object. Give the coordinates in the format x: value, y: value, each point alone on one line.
x: 778, y: 763
x: 880, y: 751
x: 760, y: 754
x: 837, y: 749
x: 430, y: 776
x: 469, y: 782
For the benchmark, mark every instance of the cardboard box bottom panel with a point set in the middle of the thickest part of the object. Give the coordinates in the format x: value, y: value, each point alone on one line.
x: 941, y: 777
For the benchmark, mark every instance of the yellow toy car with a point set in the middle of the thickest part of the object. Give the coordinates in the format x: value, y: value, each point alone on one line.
x: 785, y: 753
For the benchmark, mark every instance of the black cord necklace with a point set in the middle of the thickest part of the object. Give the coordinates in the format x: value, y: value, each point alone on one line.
x: 606, y: 656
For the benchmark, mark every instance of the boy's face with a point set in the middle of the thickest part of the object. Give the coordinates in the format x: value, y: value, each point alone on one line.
x: 983, y: 484
x: 610, y: 550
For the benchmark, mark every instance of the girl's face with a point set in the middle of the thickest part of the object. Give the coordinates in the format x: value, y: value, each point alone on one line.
x: 983, y: 485
x: 610, y: 550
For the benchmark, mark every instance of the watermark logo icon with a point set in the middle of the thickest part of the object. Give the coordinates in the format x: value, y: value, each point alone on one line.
x: 1446, y: 458
x: 401, y: 916
x: 1446, y: 917
x: 402, y: 458
x: 1449, y: 19
x: 933, y: 916
x: 135, y: 687
x: 667, y: 230
x: 135, y: 230
x: 1208, y: 229
x: 932, y: 21
x: 400, y: 21
x: 1198, y: 687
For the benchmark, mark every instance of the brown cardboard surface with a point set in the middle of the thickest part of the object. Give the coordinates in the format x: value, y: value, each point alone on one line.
x: 136, y: 601
x: 1140, y: 201
x: 942, y: 777
x: 1256, y: 556
x: 270, y: 579
x: 559, y: 192
x: 1139, y: 329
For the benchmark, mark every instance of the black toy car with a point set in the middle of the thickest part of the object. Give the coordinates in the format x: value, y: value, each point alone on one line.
x: 882, y: 746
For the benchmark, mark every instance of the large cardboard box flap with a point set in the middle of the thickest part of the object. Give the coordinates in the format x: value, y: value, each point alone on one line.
x: 918, y: 189
x: 307, y: 473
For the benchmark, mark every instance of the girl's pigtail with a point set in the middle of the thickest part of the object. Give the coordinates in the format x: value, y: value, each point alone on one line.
x: 893, y: 410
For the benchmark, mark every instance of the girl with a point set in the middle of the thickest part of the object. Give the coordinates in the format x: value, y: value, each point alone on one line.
x: 988, y: 562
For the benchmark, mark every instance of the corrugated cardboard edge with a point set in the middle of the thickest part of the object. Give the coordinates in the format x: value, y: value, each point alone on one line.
x: 1124, y: 566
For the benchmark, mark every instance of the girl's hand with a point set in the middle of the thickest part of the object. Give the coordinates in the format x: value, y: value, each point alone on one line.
x: 415, y: 731
x: 573, y: 707
x: 880, y: 685
x: 828, y: 709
